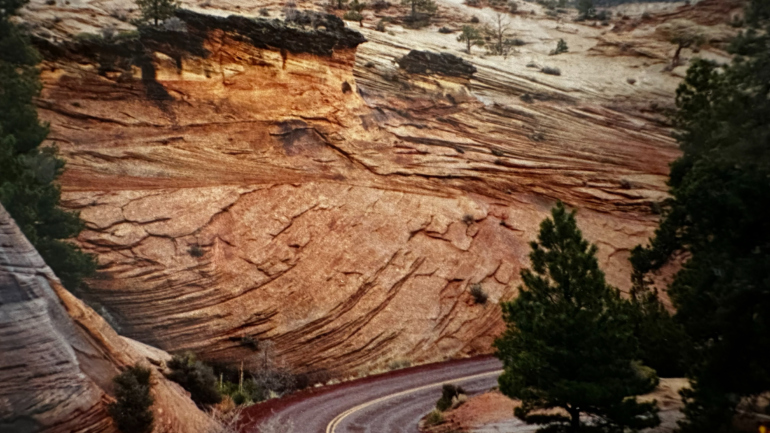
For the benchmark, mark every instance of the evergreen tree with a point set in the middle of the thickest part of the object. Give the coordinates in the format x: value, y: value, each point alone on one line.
x: 663, y: 344
x: 131, y: 409
x: 425, y: 6
x: 561, y: 47
x: 717, y: 216
x: 569, y: 342
x: 585, y: 8
x: 27, y: 172
x: 157, y: 10
x: 471, y: 36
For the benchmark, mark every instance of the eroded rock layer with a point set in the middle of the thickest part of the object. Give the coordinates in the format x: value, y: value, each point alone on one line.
x: 59, y: 357
x: 334, y: 203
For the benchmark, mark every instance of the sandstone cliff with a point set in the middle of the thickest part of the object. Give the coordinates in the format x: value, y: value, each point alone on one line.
x: 59, y: 357
x: 328, y: 200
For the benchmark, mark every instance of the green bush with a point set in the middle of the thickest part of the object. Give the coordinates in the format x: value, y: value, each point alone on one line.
x: 131, y: 410
x: 435, y: 417
x: 448, y: 392
x: 196, y: 377
x: 551, y: 71
x: 561, y: 47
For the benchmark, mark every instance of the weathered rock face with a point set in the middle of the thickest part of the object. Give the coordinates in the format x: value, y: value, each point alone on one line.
x: 261, y: 198
x: 59, y: 356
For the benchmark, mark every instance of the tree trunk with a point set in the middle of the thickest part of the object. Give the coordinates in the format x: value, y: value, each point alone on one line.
x: 675, y: 60
x: 574, y: 423
x: 469, y: 45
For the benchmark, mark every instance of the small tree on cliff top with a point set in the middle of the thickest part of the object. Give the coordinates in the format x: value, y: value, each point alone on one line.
x: 157, y: 10
x: 569, y: 342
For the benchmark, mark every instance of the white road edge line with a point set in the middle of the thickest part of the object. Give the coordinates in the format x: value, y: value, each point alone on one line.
x: 332, y: 426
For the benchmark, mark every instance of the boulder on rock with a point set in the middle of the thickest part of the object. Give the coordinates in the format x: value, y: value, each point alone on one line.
x: 426, y: 62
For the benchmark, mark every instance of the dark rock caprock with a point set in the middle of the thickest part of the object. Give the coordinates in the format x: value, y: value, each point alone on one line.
x: 426, y: 62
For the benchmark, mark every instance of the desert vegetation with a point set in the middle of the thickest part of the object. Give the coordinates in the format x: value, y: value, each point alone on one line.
x: 157, y: 11
x: 131, y: 409
x: 451, y: 395
x: 714, y: 222
x: 716, y: 218
x: 28, y: 171
x: 569, y: 343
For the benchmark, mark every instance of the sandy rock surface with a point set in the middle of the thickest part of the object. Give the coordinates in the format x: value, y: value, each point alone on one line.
x: 335, y: 204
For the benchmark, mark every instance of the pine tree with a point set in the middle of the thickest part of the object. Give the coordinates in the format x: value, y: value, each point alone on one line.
x: 471, y: 36
x: 663, y: 344
x: 27, y: 172
x: 561, y: 47
x: 426, y: 6
x: 585, y: 8
x: 569, y: 342
x: 717, y: 217
x: 157, y: 10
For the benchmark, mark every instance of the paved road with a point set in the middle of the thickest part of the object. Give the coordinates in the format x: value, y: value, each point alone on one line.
x: 392, y: 403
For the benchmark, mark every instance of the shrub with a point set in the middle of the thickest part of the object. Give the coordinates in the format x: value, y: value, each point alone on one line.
x: 473, y: 3
x: 475, y: 20
x: 445, y: 30
x: 513, y: 7
x: 417, y: 20
x: 468, y: 219
x: 561, y: 47
x: 305, y: 380
x: 353, y: 16
x: 379, y: 5
x: 265, y: 12
x: 516, y: 42
x: 551, y: 71
x: 196, y: 377
x: 196, y: 251
x: 448, y: 392
x: 399, y: 364
x: 380, y: 27
x: 131, y: 410
x: 435, y: 417
x: 250, y: 342
x: 479, y: 295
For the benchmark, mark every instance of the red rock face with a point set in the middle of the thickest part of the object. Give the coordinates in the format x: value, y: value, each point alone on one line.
x: 263, y: 197
x: 59, y: 356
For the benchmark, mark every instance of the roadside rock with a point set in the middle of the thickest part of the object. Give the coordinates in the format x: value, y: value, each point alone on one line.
x: 59, y: 357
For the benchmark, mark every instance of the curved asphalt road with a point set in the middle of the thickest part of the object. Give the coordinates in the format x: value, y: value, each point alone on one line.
x: 390, y: 403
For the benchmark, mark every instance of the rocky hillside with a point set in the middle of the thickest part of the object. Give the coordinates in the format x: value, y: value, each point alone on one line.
x: 59, y: 356
x: 245, y: 178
